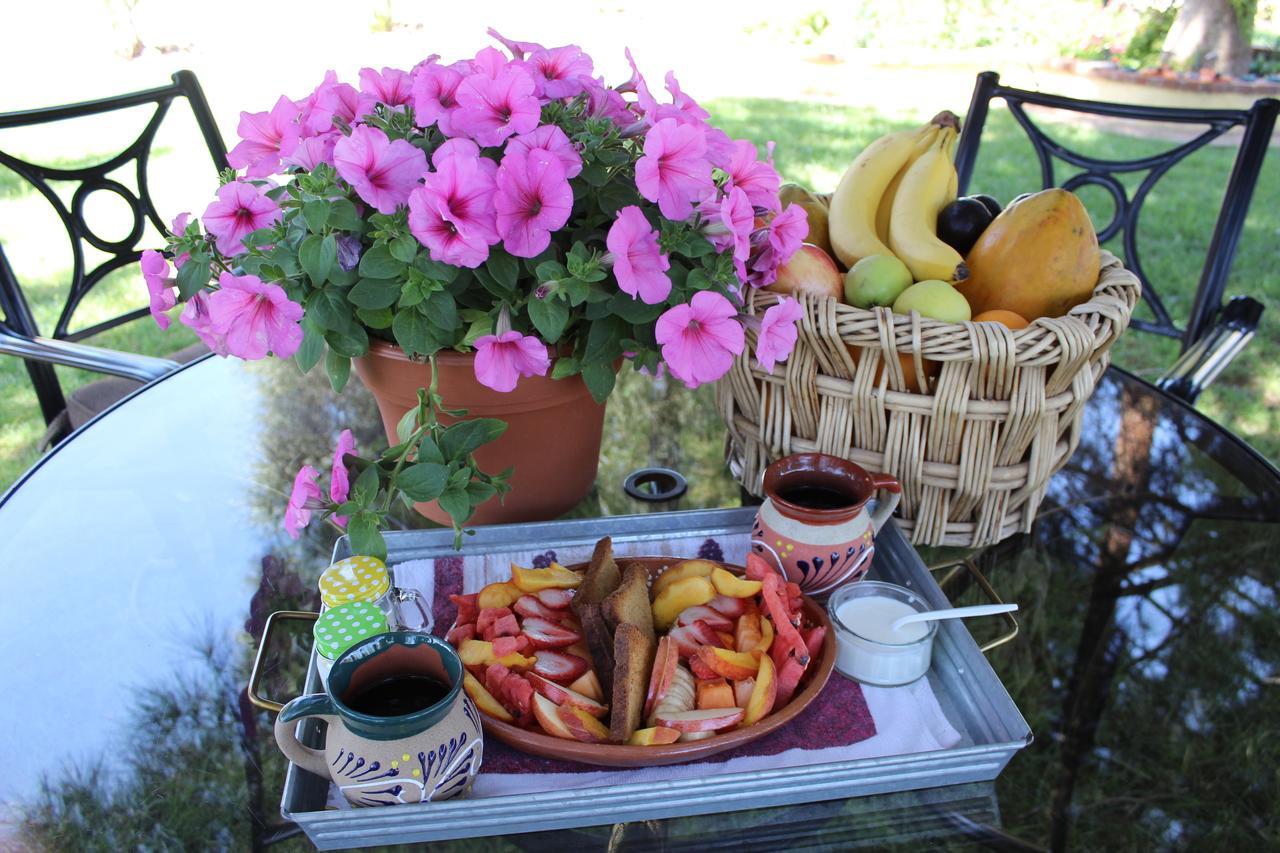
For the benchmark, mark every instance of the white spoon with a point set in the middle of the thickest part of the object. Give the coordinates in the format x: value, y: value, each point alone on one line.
x: 954, y: 613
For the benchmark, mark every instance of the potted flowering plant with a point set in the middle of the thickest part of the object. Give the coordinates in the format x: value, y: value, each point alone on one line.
x: 466, y: 231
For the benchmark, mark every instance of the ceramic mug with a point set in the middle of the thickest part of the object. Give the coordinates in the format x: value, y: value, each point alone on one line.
x: 430, y: 754
x: 814, y: 525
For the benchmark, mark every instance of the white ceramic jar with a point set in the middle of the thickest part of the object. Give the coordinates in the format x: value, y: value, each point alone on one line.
x: 867, y: 648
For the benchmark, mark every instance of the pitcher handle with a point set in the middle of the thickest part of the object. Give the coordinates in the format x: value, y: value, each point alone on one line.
x: 315, y: 705
x: 885, y: 508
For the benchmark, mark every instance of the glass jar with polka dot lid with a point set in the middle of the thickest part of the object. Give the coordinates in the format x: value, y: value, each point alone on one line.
x: 360, y: 579
x: 341, y: 627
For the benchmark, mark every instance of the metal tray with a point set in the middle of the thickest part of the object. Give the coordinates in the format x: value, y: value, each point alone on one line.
x: 968, y: 690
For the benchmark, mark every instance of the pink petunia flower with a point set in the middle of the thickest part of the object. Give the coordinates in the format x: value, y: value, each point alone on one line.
x: 382, y: 172
x: 391, y: 86
x: 178, y: 228
x: 674, y: 170
x: 737, y: 219
x: 313, y: 151
x: 492, y: 108
x: 559, y: 72
x: 757, y: 178
x: 313, y: 119
x: 551, y: 138
x: 265, y: 138
x: 518, y: 48
x: 777, y: 336
x: 240, y: 210
x: 638, y: 263
x: 339, y: 476
x: 195, y: 316
x: 452, y: 213
x: 533, y: 199
x: 502, y: 359
x: 339, y: 102
x: 603, y: 102
x: 783, y: 237
x: 155, y: 272
x: 256, y: 317
x: 435, y: 90
x: 303, y: 499
x: 700, y: 339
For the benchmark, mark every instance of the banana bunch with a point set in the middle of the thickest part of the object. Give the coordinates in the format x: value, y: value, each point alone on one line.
x: 888, y: 201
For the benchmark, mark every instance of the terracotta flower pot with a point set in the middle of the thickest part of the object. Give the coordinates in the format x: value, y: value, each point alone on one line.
x: 552, y: 438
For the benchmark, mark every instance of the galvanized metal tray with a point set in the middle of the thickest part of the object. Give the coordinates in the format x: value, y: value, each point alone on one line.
x: 967, y: 689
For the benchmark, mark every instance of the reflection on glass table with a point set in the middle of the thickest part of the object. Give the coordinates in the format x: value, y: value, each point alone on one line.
x: 149, y: 553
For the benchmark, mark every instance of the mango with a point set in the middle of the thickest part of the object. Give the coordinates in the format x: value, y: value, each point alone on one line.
x: 536, y: 580
x: 1038, y: 258
x: 502, y: 594
x: 679, y: 571
x: 727, y: 583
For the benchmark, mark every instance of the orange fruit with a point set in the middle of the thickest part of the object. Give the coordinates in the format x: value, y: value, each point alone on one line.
x: 1000, y: 315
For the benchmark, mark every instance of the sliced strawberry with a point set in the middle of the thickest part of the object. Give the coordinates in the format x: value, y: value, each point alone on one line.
x: 556, y: 599
x: 548, y: 635
x: 503, y: 646
x: 560, y: 667
x: 718, y: 621
x: 730, y: 606
x: 700, y: 669
x: 458, y: 633
x: 529, y: 605
x: 689, y: 637
x: 487, y: 616
x: 507, y: 626
x: 468, y: 610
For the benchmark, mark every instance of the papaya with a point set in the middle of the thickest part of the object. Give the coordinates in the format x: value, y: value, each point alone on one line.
x: 1038, y: 258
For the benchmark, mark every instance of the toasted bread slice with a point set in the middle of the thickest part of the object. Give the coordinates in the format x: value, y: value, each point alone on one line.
x: 599, y: 643
x: 633, y: 656
x: 629, y: 603
x: 602, y: 576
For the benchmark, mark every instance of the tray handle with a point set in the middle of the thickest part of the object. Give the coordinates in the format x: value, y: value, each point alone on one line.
x: 255, y: 675
x: 968, y: 566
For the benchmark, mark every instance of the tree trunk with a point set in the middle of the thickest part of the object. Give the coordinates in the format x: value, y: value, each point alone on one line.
x: 1208, y: 34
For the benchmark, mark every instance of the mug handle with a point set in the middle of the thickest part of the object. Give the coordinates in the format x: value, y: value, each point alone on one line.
x: 315, y: 705
x: 885, y: 508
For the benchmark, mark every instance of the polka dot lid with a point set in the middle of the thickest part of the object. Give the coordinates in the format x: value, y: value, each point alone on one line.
x: 339, y: 628
x: 354, y: 579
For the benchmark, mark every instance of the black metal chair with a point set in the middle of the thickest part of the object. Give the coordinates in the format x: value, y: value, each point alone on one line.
x: 1213, y: 333
x: 19, y: 333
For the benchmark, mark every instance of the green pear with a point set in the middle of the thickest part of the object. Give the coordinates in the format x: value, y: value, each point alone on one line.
x: 876, y: 280
x: 935, y: 299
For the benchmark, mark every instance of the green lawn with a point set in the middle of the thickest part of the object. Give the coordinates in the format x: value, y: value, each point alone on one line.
x: 815, y: 143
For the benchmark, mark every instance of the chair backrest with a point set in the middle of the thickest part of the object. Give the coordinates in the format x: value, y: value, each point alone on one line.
x: 1257, y: 122
x: 15, y: 313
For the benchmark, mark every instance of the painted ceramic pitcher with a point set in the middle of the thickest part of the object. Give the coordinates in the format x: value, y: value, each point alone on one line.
x: 814, y: 524
x: 375, y: 755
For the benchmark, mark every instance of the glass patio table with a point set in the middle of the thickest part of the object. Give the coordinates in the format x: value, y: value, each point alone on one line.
x: 144, y: 554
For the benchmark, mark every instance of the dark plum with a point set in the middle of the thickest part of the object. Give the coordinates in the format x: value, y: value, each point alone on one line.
x: 962, y: 222
x: 989, y: 202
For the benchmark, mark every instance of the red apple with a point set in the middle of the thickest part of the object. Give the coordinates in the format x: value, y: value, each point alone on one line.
x: 734, y: 666
x: 546, y: 713
x: 564, y: 696
x: 665, y: 661
x: 810, y: 270
x: 581, y: 725
x: 706, y: 720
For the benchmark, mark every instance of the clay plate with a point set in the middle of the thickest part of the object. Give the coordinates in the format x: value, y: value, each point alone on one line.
x: 623, y: 755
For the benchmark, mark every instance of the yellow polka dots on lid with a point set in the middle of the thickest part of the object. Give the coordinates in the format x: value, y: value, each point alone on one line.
x: 354, y: 579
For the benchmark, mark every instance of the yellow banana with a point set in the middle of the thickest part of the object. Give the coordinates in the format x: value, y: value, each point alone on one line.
x: 852, y: 220
x: 885, y: 207
x: 927, y: 187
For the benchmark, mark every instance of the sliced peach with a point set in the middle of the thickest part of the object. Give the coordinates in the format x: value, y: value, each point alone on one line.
x: 484, y: 699
x: 763, y: 693
x: 680, y: 571
x: 547, y: 714
x: 766, y: 637
x: 715, y: 693
x: 731, y: 665
x: 665, y: 661
x: 689, y: 592
x: 727, y: 583
x: 582, y: 726
x: 654, y: 736
x: 742, y: 691
x: 480, y: 653
x: 566, y: 696
x: 588, y: 685
x: 708, y: 720
x: 534, y: 580
x: 498, y: 595
x: 747, y: 636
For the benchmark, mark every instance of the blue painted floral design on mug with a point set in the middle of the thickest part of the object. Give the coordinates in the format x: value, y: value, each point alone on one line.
x: 429, y: 754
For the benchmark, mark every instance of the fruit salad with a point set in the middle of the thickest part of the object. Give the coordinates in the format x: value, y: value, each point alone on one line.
x: 724, y: 651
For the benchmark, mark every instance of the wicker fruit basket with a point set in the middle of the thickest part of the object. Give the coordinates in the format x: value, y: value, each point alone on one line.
x: 975, y: 456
